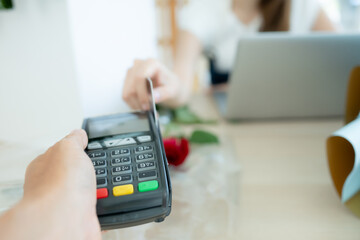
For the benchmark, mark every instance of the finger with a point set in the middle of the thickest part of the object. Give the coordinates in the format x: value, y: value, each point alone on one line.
x: 134, y: 103
x: 128, y: 91
x: 130, y: 85
x: 149, y: 69
x: 143, y: 95
x: 79, y: 136
x: 162, y: 93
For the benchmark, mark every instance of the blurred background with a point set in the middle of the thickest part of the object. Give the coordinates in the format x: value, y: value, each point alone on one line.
x: 63, y: 60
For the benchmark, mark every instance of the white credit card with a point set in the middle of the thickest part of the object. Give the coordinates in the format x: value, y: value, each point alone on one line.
x: 152, y: 101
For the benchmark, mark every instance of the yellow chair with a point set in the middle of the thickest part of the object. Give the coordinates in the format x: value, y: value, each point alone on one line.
x: 341, y: 154
x: 353, y: 96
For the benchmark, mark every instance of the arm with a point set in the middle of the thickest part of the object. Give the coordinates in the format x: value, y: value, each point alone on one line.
x: 59, y: 196
x: 170, y: 87
x: 323, y: 23
x: 188, y: 51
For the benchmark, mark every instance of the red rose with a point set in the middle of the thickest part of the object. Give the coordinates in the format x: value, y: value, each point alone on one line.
x: 176, y: 150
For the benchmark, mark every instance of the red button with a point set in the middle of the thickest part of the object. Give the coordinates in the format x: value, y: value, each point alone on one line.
x: 102, y: 193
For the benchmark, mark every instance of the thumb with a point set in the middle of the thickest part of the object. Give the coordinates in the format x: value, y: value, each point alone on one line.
x: 79, y: 136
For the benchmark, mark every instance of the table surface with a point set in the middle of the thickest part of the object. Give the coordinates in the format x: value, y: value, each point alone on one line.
x: 285, y: 189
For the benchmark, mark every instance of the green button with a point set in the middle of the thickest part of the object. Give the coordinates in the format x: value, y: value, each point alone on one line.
x: 148, y: 186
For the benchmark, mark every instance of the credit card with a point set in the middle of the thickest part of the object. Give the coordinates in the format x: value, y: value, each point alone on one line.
x: 152, y: 101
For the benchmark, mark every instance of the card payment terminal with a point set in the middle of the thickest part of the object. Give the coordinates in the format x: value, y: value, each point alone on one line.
x: 133, y: 183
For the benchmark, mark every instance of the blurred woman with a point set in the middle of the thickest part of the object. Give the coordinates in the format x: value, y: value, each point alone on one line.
x: 215, y: 27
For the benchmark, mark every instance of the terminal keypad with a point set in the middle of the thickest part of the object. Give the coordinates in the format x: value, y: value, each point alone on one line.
x: 124, y: 166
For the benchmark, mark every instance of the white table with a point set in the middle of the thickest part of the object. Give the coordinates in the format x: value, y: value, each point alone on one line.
x: 284, y: 191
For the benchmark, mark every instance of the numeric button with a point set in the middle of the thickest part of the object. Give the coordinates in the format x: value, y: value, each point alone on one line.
x: 122, y: 179
x: 101, y: 172
x: 99, y: 163
x: 120, y: 152
x: 120, y: 161
x: 144, y: 157
x: 97, y: 155
x: 121, y: 170
x: 145, y: 166
x: 144, y: 148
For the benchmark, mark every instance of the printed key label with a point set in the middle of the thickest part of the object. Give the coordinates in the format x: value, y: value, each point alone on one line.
x: 145, y: 156
x: 97, y: 155
x: 122, y: 179
x: 99, y: 163
x: 120, y: 152
x: 100, y: 172
x: 121, y: 169
x: 120, y: 161
x: 143, y: 149
x: 145, y: 166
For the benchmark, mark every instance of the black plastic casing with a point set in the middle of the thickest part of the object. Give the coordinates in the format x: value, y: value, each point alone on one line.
x: 134, y: 210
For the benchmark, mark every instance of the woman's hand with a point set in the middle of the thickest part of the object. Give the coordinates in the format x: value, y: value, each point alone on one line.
x: 166, y: 84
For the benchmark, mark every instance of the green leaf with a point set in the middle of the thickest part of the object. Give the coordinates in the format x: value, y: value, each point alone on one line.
x: 184, y: 115
x: 173, y: 130
x: 203, y: 137
x: 5, y: 4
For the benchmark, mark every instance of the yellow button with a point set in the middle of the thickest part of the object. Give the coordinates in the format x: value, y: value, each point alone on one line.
x: 123, y: 190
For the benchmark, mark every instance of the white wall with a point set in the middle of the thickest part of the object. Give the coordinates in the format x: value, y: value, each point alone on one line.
x: 344, y: 13
x: 38, y: 96
x: 43, y: 53
x: 108, y: 35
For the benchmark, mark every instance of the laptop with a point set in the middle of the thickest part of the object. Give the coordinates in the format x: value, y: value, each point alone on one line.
x: 290, y: 76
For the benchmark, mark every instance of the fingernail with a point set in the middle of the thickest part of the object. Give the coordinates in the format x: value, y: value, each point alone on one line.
x: 156, y: 95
